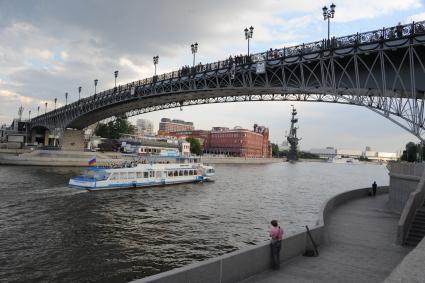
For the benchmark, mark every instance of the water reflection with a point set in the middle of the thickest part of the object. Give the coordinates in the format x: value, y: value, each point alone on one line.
x: 49, y: 232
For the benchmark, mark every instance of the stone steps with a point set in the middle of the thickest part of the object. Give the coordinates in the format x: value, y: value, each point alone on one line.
x: 417, y: 230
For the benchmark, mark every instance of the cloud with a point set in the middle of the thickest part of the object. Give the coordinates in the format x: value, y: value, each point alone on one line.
x: 416, y: 18
x: 349, y: 11
x: 140, y: 70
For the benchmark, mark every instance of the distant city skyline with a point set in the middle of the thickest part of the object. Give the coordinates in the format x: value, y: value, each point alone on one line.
x: 50, y: 48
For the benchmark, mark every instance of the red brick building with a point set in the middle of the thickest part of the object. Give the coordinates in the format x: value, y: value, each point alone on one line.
x: 167, y: 126
x: 232, y: 142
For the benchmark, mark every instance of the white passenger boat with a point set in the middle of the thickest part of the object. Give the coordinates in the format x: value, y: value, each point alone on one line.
x: 343, y: 160
x: 142, y: 175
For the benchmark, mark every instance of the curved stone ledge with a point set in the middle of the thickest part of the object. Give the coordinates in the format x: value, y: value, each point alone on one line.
x: 244, y: 263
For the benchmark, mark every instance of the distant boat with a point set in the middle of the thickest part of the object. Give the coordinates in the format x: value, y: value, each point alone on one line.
x: 343, y: 160
x: 142, y: 175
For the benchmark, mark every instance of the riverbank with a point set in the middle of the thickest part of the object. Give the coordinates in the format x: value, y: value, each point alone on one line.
x: 59, y: 158
x: 80, y: 159
x: 240, y: 160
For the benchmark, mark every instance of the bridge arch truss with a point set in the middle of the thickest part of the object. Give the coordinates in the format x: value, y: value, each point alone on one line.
x: 382, y: 70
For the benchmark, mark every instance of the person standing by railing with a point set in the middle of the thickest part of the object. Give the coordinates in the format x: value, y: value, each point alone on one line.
x: 374, y: 187
x: 276, y: 234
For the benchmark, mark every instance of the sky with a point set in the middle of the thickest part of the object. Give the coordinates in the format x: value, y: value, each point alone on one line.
x: 49, y: 47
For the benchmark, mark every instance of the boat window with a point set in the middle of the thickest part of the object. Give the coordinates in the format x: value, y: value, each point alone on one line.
x: 190, y: 172
x: 176, y: 173
x: 170, y: 173
x: 132, y: 175
x: 186, y: 173
x: 151, y: 174
x: 181, y: 173
x: 139, y: 175
x: 123, y: 175
x: 145, y: 174
x: 114, y: 176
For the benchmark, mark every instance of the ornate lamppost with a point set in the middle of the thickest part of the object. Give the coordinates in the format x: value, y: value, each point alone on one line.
x: 116, y: 76
x: 155, y: 61
x: 29, y: 115
x: 79, y: 92
x: 328, y: 15
x: 55, y: 103
x: 66, y: 98
x: 45, y: 107
x: 95, y: 85
x: 248, y: 34
x: 194, y: 48
x: 38, y: 110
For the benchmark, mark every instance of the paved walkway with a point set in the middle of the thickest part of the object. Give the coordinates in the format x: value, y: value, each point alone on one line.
x: 359, y: 247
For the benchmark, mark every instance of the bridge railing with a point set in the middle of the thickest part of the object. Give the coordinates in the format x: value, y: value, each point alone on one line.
x: 376, y: 36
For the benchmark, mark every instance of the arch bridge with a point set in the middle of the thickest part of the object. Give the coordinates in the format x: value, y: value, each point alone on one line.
x: 383, y: 70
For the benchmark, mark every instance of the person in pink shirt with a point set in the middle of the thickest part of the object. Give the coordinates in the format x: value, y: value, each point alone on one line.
x: 276, y: 234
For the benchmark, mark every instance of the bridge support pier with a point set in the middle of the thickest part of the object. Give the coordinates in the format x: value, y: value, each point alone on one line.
x: 73, y: 140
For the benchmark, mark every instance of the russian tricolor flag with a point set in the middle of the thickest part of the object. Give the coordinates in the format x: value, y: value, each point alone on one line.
x: 92, y: 162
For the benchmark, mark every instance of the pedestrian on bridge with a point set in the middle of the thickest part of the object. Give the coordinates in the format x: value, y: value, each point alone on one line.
x: 276, y: 234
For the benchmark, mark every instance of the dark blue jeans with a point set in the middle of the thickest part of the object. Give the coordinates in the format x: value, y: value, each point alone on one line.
x: 275, y: 252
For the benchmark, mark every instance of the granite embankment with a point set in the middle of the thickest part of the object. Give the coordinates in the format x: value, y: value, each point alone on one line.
x: 75, y: 158
x: 59, y: 158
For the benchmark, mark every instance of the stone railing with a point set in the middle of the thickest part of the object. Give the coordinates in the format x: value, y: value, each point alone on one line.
x: 415, y: 201
x: 404, y: 179
x: 239, y: 265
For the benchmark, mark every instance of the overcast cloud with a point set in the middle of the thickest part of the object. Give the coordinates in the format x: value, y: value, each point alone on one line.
x: 48, y: 48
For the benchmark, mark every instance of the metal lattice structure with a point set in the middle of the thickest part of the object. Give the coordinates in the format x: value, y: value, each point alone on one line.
x: 382, y: 70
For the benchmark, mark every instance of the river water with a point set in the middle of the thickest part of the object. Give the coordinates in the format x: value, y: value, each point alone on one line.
x: 52, y: 233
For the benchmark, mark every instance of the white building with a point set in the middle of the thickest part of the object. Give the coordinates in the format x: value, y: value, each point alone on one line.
x: 331, y: 152
x: 354, y: 153
x: 380, y: 156
x: 328, y: 152
x: 144, y: 127
x: 283, y: 146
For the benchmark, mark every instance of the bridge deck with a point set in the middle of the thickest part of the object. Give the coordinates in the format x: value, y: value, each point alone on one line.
x: 359, y: 247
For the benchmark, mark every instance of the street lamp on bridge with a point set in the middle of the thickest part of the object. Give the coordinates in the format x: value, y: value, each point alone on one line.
x: 29, y: 115
x: 38, y: 110
x: 194, y: 48
x: 155, y: 61
x: 45, y: 107
x: 55, y: 103
x: 79, y: 93
x: 95, y: 85
x: 66, y: 98
x: 248, y: 34
x: 328, y: 15
x: 116, y: 76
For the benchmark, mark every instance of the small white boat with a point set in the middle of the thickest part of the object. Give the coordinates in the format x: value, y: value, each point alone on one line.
x: 142, y: 175
x: 343, y: 160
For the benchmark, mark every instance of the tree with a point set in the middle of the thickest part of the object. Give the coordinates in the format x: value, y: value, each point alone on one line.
x: 409, y: 154
x: 113, y: 129
x: 308, y: 155
x: 102, y: 130
x: 363, y: 158
x: 275, y: 150
x: 195, y: 146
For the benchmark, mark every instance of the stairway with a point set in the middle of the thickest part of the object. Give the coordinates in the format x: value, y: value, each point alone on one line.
x: 417, y: 230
